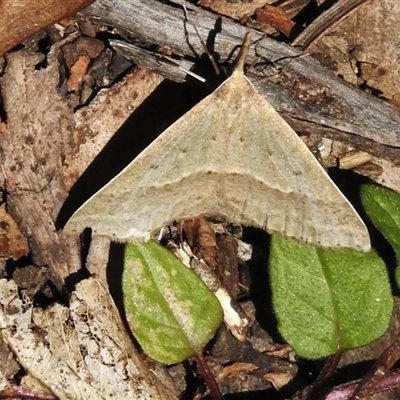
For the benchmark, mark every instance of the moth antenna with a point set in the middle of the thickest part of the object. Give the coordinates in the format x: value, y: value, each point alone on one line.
x: 238, y: 64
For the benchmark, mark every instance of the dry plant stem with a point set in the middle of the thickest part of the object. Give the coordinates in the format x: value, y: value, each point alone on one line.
x: 208, y: 377
x: 325, y: 21
x: 378, y: 372
x: 344, y: 392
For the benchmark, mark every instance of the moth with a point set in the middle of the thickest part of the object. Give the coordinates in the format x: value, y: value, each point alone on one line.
x: 232, y: 156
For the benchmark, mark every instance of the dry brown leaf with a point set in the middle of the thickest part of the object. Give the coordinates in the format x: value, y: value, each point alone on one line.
x: 218, y: 251
x: 282, y: 352
x: 236, y: 368
x: 278, y: 379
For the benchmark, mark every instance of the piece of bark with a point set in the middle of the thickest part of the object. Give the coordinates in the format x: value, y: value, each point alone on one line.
x: 30, y: 279
x: 227, y: 259
x: 277, y: 18
x: 34, y: 143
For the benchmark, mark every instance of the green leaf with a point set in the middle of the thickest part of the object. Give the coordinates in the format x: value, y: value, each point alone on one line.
x: 327, y: 300
x: 383, y: 208
x: 172, y: 312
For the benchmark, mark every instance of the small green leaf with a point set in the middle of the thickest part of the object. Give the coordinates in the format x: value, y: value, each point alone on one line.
x: 383, y: 208
x: 172, y: 312
x: 327, y: 300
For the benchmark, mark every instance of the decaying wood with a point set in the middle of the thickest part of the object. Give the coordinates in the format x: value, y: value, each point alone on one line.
x: 308, y: 95
x: 39, y: 127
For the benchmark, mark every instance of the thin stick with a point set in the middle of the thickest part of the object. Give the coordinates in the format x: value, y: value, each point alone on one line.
x: 326, y: 21
x: 203, y: 44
